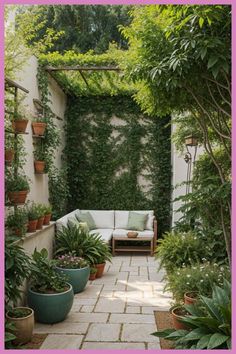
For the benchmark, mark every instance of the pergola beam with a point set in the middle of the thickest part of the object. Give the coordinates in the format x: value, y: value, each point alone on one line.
x: 82, y: 68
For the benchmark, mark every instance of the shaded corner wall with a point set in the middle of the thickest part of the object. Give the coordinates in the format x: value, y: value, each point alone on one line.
x: 28, y: 79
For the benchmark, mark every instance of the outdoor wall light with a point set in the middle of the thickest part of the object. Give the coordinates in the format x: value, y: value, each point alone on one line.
x: 190, y: 142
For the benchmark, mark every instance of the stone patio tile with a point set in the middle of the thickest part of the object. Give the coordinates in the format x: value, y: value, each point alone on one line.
x: 106, y: 293
x: 131, y: 318
x: 156, y: 276
x: 132, y: 309
x: 141, y: 287
x: 148, y: 309
x: 138, y: 333
x: 42, y: 328
x: 154, y: 345
x: 113, y: 345
x: 138, y: 278
x: 78, y: 302
x: 103, y: 332
x: 56, y: 341
x: 110, y: 305
x: 91, y: 292
x: 122, y: 275
x: 87, y: 317
x: 87, y: 308
x: 62, y: 327
x: 128, y: 294
x: 114, y: 287
x: 125, y: 268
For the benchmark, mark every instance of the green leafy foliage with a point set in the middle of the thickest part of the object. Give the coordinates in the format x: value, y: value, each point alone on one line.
x: 17, y: 220
x: 43, y: 277
x: 198, y: 277
x: 83, y: 244
x: 15, y: 184
x: 9, y: 336
x: 209, y: 323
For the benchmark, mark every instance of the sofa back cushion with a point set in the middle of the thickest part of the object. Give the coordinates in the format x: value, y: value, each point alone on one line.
x: 64, y: 220
x: 122, y: 216
x: 104, y: 219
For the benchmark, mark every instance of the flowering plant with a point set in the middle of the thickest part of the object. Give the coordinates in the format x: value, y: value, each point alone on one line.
x: 70, y: 261
x: 199, y: 277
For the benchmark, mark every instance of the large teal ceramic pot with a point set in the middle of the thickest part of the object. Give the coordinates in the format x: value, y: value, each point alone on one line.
x: 51, y: 308
x: 78, y: 278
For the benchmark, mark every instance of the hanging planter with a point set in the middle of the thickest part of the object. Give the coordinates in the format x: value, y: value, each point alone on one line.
x: 39, y: 166
x: 38, y: 128
x: 19, y: 126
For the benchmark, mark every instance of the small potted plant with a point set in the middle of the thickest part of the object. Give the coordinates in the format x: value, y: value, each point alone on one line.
x: 177, y: 313
x: 39, y: 160
x: 49, y: 295
x: 20, y: 120
x: 20, y: 320
x: 33, y: 216
x: 75, y: 268
x: 17, y: 189
x: 93, y: 272
x: 17, y: 222
x: 100, y: 261
x: 47, y: 214
x: 40, y: 210
x: 39, y: 125
x: 9, y: 149
x: 191, y: 297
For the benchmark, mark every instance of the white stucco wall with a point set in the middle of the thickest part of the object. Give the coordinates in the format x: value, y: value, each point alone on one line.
x: 28, y: 79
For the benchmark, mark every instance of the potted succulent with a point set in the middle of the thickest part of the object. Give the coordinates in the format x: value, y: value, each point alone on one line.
x: 93, y: 272
x: 9, y: 149
x: 20, y: 120
x: 39, y: 125
x: 19, y: 321
x: 47, y: 214
x: 17, y: 189
x: 33, y: 216
x: 17, y: 222
x: 75, y: 268
x: 177, y: 313
x: 40, y: 210
x: 49, y: 295
x: 39, y: 160
x: 191, y: 297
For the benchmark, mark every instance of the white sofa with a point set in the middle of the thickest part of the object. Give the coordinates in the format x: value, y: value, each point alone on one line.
x: 113, y: 223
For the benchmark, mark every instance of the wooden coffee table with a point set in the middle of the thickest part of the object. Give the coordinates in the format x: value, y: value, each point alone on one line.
x: 132, y: 248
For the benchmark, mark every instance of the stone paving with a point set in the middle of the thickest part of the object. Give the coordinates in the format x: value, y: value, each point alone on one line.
x: 115, y: 311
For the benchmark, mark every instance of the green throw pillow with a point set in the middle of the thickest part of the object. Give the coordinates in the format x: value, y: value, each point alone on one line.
x: 137, y: 221
x: 87, y: 217
x: 72, y: 222
x: 84, y: 226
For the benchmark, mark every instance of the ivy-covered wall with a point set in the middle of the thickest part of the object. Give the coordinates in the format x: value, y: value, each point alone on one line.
x: 117, y: 158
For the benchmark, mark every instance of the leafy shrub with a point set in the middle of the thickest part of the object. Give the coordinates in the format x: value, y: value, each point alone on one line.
x: 209, y: 323
x: 15, y: 184
x: 176, y: 249
x: 44, y: 279
x: 17, y: 220
x: 78, y: 241
x: 199, y: 277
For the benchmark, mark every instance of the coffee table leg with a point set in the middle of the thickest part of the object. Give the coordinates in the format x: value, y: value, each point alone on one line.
x: 152, y: 247
x: 113, y: 246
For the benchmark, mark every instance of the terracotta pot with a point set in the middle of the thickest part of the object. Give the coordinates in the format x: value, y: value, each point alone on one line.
x: 190, y: 297
x: 38, y: 128
x: 40, y: 223
x: 92, y: 276
x: 17, y: 197
x: 100, y: 269
x: 176, y: 317
x: 24, y: 327
x: 39, y: 166
x: 20, y: 126
x: 47, y: 219
x: 32, y: 225
x: 19, y: 232
x: 9, y: 155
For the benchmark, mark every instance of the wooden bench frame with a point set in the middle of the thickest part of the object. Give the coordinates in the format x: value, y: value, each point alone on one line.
x: 152, y: 240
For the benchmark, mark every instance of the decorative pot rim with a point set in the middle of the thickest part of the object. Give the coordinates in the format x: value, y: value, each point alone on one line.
x: 20, y: 120
x: 72, y: 269
x: 22, y: 191
x: 190, y: 292
x: 21, y: 318
x: 54, y: 294
x: 175, y: 308
x: 34, y: 220
x: 39, y: 161
x: 39, y: 123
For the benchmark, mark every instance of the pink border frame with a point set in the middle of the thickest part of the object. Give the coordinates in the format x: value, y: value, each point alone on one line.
x: 109, y: 2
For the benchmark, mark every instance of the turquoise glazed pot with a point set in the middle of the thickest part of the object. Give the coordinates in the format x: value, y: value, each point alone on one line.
x: 78, y: 278
x: 51, y: 308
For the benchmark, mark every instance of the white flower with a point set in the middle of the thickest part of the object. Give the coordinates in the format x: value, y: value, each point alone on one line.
x: 201, y: 281
x: 222, y: 268
x: 206, y: 275
x: 188, y: 283
x: 188, y: 275
x: 195, y: 238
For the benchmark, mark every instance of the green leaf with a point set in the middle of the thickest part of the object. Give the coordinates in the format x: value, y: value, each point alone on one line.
x: 196, y: 334
x: 216, y: 340
x: 212, y: 61
x: 203, y: 342
x: 164, y: 333
x: 201, y: 22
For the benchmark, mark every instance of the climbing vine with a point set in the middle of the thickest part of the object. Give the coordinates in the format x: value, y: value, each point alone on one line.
x: 116, y: 157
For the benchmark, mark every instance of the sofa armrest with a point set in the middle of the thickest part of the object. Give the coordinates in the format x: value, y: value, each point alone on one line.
x: 155, y: 232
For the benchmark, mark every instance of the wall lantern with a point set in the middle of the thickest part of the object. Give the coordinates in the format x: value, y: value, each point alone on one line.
x: 191, y: 141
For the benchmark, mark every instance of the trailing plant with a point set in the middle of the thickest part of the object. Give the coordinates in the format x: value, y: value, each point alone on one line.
x: 70, y: 261
x: 58, y: 192
x: 43, y: 277
x: 209, y: 323
x: 198, y: 277
x: 17, y: 269
x: 83, y: 244
x: 176, y: 249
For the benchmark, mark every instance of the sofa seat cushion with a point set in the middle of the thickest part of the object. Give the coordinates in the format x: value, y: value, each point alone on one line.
x: 122, y: 216
x: 123, y: 233
x: 103, y: 219
x: 106, y: 234
x: 64, y: 220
